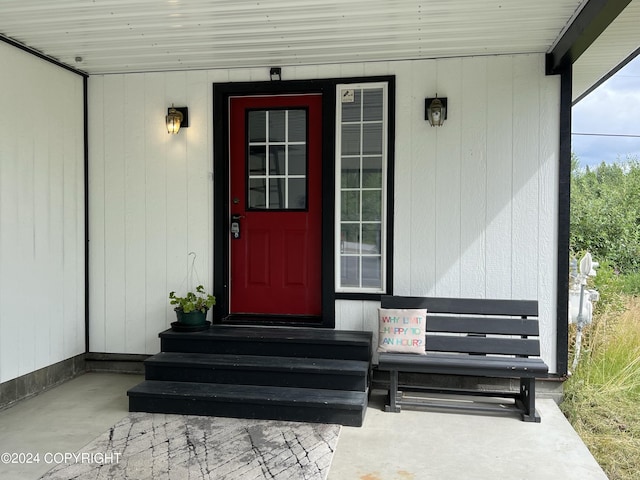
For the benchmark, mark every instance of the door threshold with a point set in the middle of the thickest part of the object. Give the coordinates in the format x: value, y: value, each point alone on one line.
x: 273, y: 320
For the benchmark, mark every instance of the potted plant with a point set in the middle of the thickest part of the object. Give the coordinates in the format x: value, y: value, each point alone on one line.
x: 191, y: 309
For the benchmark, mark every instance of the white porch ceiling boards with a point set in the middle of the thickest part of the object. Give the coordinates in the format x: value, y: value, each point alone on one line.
x: 118, y: 36
x: 621, y: 39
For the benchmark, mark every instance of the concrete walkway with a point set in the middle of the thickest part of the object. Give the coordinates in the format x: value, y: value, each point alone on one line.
x: 429, y: 445
x: 412, y: 445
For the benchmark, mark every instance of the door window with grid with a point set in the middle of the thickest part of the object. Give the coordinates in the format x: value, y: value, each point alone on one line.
x: 277, y: 159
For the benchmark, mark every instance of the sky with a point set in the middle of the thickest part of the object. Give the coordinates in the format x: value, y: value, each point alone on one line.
x: 613, y: 108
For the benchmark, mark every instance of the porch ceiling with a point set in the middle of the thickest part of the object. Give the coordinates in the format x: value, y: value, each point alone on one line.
x: 120, y: 36
x: 116, y: 36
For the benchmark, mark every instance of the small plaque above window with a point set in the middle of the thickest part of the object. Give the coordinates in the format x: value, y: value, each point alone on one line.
x: 348, y: 95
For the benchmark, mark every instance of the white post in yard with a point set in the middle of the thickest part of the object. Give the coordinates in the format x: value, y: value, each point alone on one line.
x: 586, y: 267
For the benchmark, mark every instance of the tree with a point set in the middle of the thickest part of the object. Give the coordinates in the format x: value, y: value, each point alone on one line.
x: 605, y: 212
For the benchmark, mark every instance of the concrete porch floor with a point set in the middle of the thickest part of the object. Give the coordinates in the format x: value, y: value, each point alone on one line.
x: 412, y: 445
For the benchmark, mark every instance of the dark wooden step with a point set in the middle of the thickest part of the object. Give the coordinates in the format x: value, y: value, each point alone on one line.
x: 274, y: 341
x: 249, y: 401
x: 255, y: 370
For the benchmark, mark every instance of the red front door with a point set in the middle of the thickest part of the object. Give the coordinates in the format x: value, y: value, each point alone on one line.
x: 275, y: 205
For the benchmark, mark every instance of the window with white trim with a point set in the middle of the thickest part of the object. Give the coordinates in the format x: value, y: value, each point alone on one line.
x: 361, y: 196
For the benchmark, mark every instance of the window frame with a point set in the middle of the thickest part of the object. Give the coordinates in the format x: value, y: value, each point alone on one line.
x: 385, y: 192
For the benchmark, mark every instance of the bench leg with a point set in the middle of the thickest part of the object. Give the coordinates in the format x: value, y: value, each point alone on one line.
x: 527, y: 400
x: 393, y: 393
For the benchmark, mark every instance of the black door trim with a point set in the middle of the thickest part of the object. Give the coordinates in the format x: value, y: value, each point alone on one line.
x: 327, y: 88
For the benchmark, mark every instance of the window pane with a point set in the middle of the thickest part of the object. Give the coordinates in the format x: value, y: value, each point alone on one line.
x: 351, y: 139
x: 351, y: 110
x: 297, y: 193
x: 371, y: 272
x: 372, y: 139
x: 350, y: 271
x: 257, y: 126
x: 371, y: 205
x: 297, y: 160
x: 277, y: 160
x: 276, y: 125
x: 372, y: 110
x: 350, y: 206
x: 350, y: 238
x: 350, y: 177
x: 257, y: 160
x: 372, y: 172
x: 277, y: 193
x: 371, y: 238
x: 297, y: 125
x: 257, y: 189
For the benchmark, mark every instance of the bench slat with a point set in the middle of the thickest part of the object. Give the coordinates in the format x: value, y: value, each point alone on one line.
x: 464, y: 305
x: 482, y: 325
x: 457, y: 364
x: 483, y: 345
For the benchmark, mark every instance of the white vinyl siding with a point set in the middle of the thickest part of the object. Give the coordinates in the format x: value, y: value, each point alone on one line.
x: 42, y: 248
x: 475, y: 201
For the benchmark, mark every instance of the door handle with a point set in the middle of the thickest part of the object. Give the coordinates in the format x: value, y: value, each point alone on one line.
x: 235, y: 226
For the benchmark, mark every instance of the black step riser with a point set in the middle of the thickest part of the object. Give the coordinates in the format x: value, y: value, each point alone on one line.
x: 237, y: 409
x: 281, y: 349
x: 306, y: 375
x: 256, y: 377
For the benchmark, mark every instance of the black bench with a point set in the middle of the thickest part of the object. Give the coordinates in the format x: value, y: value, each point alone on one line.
x: 471, y: 337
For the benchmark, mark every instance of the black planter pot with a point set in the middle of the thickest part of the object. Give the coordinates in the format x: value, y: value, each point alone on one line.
x: 190, y: 322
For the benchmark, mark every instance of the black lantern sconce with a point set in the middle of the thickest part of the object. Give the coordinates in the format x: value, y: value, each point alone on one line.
x: 275, y: 73
x: 177, y: 118
x: 435, y: 110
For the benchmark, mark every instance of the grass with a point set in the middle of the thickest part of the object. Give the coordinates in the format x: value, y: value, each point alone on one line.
x: 602, y: 397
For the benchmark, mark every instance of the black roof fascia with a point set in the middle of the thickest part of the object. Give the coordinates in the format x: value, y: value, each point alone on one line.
x: 594, y: 18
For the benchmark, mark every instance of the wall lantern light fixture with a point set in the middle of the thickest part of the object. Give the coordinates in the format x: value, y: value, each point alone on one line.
x: 435, y: 110
x: 177, y: 118
x: 275, y: 73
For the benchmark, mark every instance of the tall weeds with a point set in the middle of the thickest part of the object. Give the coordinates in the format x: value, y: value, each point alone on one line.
x: 602, y: 397
x: 613, y: 360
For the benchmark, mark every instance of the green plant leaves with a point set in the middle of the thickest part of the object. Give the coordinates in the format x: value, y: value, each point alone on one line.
x: 605, y: 213
x: 192, y: 301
